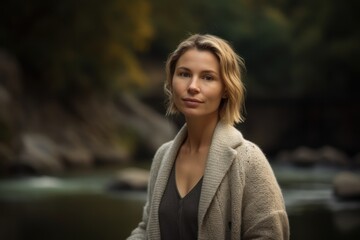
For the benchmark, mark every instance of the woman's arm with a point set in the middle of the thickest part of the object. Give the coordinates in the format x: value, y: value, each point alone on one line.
x: 264, y: 215
x: 140, y: 231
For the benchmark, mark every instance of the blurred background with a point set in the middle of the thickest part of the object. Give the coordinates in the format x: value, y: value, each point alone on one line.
x: 82, y: 108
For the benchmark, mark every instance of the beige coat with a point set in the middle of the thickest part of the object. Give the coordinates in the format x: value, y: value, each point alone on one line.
x: 240, y: 197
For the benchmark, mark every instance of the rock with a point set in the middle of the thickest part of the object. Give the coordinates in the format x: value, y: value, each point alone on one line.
x: 80, y: 131
x: 347, y: 185
x: 38, y: 154
x: 152, y: 127
x: 307, y: 157
x: 110, y: 155
x: 130, y: 179
x: 76, y: 157
x: 114, y: 132
x: 304, y: 156
x: 332, y: 155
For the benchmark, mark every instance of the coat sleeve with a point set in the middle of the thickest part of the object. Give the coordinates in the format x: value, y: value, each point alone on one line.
x: 263, y: 213
x: 140, y: 231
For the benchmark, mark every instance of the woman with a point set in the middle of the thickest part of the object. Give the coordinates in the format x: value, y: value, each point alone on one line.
x: 209, y: 182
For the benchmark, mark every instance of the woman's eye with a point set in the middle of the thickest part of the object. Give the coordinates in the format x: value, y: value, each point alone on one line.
x: 208, y: 77
x: 184, y: 74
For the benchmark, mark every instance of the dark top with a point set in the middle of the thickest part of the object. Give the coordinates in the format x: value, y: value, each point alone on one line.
x: 178, y: 217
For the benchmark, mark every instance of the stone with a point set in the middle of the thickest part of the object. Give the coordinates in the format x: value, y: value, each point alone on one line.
x: 307, y: 157
x: 304, y: 156
x: 75, y: 157
x: 40, y: 154
x: 152, y: 127
x: 346, y: 185
x: 332, y: 155
x: 130, y: 179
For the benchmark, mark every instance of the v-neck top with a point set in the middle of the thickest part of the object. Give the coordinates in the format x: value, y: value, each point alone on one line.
x: 178, y: 216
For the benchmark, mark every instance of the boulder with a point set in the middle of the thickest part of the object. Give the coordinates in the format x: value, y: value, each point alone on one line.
x: 38, y: 154
x: 130, y: 179
x: 304, y: 157
x: 346, y: 185
x: 307, y: 157
x: 110, y: 155
x: 75, y: 156
x: 152, y: 127
x: 331, y: 155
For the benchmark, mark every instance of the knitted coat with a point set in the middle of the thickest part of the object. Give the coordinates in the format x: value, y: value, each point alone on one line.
x: 240, y: 197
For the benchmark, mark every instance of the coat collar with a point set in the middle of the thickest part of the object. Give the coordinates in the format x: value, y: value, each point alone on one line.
x: 221, y: 155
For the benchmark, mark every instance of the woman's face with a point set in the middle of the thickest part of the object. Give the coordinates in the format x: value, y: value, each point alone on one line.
x: 197, y: 85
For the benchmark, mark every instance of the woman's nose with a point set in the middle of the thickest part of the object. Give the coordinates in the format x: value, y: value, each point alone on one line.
x: 194, y: 86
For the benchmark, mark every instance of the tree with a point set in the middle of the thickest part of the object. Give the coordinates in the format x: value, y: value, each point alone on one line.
x: 325, y: 46
x: 71, y: 47
x: 291, y: 48
x: 259, y: 33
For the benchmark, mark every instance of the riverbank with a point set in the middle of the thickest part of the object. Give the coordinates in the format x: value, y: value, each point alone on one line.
x: 79, y: 206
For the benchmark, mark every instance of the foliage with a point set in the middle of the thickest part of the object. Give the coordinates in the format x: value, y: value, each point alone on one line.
x: 76, y: 46
x: 259, y: 33
x: 291, y: 48
x: 325, y: 46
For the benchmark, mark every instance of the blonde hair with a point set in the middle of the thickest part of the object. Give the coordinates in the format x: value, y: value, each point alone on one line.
x: 232, y: 67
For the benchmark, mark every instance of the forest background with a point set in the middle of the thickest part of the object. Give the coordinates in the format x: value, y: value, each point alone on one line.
x: 81, y: 82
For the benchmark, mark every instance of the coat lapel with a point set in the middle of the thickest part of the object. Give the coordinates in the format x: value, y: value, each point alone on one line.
x: 220, y: 158
x: 221, y: 155
x: 162, y: 179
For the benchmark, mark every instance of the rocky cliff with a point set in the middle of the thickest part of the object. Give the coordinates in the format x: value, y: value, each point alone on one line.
x: 45, y: 135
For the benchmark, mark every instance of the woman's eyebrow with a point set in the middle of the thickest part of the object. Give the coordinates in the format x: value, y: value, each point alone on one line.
x: 204, y: 71
x: 210, y: 71
x: 182, y: 68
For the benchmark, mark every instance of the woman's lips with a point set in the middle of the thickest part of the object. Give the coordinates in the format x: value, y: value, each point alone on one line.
x: 192, y: 102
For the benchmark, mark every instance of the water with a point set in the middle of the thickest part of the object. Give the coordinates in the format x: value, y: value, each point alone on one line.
x: 314, y: 211
x: 78, y: 206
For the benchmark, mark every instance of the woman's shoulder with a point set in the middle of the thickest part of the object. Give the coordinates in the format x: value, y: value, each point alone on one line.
x: 250, y: 153
x: 252, y: 148
x: 163, y: 148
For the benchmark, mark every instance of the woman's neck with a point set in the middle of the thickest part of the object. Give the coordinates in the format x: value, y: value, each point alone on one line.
x: 200, y: 132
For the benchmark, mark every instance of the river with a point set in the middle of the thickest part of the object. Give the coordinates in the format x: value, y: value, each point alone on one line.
x: 77, y: 205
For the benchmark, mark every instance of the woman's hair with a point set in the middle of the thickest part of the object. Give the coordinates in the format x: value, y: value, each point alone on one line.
x: 232, y: 67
